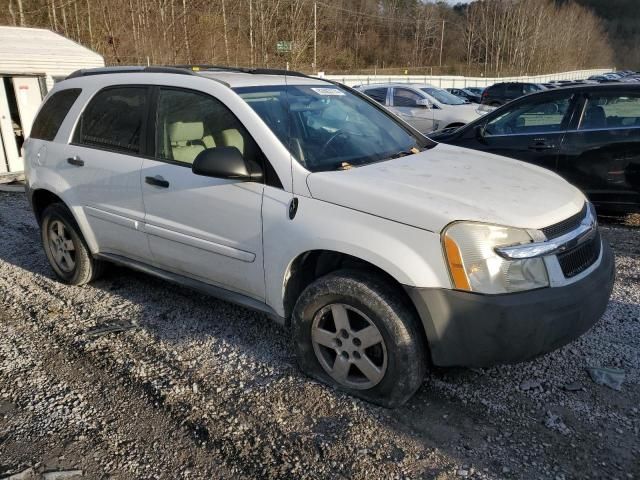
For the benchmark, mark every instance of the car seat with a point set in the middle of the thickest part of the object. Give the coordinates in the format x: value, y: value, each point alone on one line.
x: 186, y: 140
x: 594, y: 117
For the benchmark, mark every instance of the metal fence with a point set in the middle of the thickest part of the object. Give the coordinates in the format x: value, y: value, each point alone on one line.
x: 452, y: 81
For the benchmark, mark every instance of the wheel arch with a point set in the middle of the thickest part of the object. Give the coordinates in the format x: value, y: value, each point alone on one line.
x: 41, y: 198
x: 313, y: 264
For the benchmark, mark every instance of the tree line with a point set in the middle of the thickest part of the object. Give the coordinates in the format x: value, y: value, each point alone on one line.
x: 489, y: 37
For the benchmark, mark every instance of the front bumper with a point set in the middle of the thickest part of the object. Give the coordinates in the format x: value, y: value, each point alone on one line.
x: 476, y: 330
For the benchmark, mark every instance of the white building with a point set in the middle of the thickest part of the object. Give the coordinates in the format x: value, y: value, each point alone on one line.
x: 31, y: 61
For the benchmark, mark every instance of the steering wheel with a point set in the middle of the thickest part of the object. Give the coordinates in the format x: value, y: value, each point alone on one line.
x: 338, y: 133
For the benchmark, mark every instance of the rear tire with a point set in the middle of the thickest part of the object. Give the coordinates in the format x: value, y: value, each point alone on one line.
x: 65, y: 247
x: 353, y: 330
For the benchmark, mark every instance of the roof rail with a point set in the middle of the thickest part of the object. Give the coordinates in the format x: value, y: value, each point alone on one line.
x: 257, y: 71
x: 129, y: 69
x: 183, y: 70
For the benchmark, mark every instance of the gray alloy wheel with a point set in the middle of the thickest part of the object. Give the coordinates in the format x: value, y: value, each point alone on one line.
x: 65, y: 248
x: 354, y: 330
x: 61, y: 246
x: 349, y: 346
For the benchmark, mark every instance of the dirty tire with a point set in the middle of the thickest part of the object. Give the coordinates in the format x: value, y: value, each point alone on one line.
x: 85, y: 268
x: 380, y: 301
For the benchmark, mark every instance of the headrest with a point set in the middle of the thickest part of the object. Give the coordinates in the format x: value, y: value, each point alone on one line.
x: 233, y: 138
x: 186, y: 131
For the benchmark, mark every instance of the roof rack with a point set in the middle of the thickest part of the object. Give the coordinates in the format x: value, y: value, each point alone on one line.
x: 183, y: 70
x: 256, y: 71
x: 129, y: 69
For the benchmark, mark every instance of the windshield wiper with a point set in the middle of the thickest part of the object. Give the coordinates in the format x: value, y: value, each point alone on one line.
x: 404, y: 153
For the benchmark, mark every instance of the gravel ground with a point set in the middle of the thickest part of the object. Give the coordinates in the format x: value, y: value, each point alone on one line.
x: 133, y: 377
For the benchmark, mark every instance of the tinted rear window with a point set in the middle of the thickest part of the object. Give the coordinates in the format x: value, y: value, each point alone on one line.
x: 514, y: 89
x: 113, y: 120
x: 378, y: 94
x: 53, y: 113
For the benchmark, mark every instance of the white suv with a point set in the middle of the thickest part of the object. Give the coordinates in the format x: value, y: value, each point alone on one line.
x: 381, y: 250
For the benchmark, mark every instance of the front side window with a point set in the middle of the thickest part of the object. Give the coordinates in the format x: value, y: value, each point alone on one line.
x: 328, y: 127
x: 378, y: 94
x: 403, y: 97
x: 113, y: 120
x: 540, y: 117
x: 53, y: 113
x: 611, y: 110
x: 189, y: 122
x: 443, y: 96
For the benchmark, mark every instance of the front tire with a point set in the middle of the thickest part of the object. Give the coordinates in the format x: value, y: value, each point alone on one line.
x: 353, y: 330
x: 65, y: 247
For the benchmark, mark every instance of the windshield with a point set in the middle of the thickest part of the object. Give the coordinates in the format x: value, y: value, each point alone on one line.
x: 326, y: 127
x: 443, y: 96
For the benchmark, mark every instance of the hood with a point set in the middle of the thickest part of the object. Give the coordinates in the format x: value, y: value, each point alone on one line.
x: 470, y: 110
x: 466, y: 112
x: 438, y: 186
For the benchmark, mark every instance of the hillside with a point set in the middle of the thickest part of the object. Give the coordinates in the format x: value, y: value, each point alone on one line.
x: 622, y: 19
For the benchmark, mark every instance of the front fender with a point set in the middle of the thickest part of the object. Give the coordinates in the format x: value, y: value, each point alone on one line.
x: 410, y: 255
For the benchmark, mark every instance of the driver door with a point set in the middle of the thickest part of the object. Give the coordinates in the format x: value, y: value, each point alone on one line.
x: 404, y: 103
x: 206, y: 228
x: 530, y: 131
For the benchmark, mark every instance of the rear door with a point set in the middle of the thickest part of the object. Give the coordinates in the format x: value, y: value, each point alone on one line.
x: 531, y: 130
x: 102, y: 167
x: 202, y: 227
x: 404, y: 103
x: 601, y: 155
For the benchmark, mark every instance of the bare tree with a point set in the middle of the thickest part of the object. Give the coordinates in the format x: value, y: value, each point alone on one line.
x: 488, y: 36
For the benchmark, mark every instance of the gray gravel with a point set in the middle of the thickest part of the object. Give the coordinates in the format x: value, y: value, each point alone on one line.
x: 133, y: 377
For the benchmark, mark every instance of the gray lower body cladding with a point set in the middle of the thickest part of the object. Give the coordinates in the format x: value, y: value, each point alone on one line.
x: 475, y: 330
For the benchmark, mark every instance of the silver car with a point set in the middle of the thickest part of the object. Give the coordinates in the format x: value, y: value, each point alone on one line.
x: 423, y: 106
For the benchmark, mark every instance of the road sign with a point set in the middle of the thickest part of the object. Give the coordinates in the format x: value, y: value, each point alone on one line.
x: 283, y: 46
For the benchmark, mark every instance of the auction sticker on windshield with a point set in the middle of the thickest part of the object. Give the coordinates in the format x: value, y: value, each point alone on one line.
x: 328, y: 91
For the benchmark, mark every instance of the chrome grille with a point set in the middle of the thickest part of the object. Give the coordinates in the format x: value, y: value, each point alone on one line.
x: 565, y: 226
x: 577, y: 260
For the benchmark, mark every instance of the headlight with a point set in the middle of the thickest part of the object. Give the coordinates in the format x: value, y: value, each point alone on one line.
x: 475, y: 266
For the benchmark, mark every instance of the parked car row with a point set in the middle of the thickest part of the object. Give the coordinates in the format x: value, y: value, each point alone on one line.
x: 623, y: 76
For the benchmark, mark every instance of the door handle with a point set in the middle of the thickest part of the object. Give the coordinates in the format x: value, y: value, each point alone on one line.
x: 541, y: 146
x: 157, y: 181
x: 75, y: 161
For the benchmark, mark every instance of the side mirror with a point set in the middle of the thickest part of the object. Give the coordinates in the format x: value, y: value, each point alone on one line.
x: 225, y: 162
x: 423, y: 102
x: 478, y: 130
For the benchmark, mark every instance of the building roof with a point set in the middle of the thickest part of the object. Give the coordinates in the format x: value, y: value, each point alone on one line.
x: 37, y: 51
